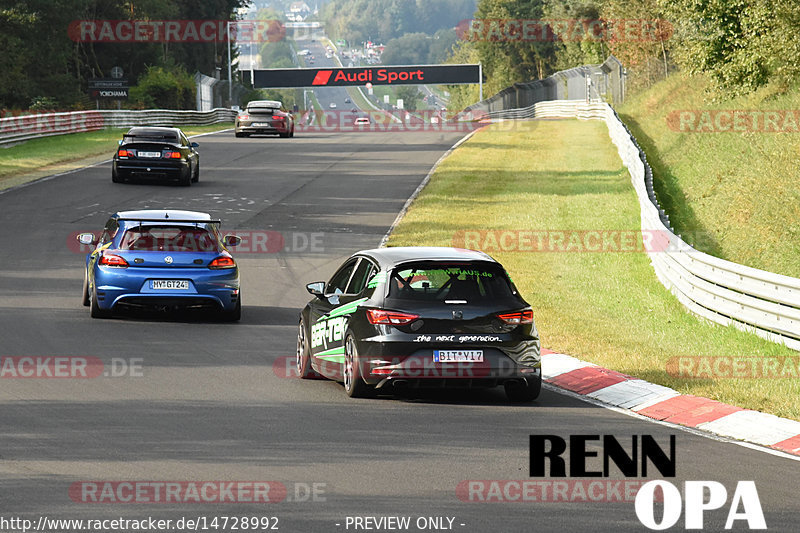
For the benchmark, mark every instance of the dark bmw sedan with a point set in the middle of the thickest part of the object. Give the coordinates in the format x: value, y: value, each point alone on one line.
x: 420, y: 317
x: 153, y: 153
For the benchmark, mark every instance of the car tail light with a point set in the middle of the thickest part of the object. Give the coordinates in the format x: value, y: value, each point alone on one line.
x: 379, y: 316
x: 172, y: 155
x: 223, y: 261
x: 243, y: 117
x: 113, y: 260
x: 277, y: 117
x: 125, y: 153
x: 515, y: 319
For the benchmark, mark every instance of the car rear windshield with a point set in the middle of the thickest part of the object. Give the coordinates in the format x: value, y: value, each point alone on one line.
x: 169, y: 239
x: 470, y: 283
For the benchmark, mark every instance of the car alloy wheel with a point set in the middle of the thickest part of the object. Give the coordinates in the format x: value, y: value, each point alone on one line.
x: 354, y: 386
x: 302, y: 358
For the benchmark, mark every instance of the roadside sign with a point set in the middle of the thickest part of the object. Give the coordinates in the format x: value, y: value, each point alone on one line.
x: 108, y: 83
x: 350, y: 77
x: 114, y: 94
x: 114, y: 88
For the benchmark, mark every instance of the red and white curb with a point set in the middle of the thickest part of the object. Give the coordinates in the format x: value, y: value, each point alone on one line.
x: 668, y: 405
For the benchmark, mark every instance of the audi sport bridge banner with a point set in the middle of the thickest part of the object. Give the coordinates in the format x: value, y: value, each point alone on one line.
x: 275, y: 78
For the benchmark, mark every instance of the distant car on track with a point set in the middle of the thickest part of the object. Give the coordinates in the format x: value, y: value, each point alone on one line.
x: 162, y: 260
x: 420, y: 317
x: 332, y: 105
x: 264, y: 117
x: 361, y: 121
x: 163, y: 154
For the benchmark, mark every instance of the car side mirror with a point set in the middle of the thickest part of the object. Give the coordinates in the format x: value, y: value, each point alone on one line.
x: 317, y: 289
x: 119, y: 142
x: 231, y: 240
x: 87, y: 238
x: 195, y: 145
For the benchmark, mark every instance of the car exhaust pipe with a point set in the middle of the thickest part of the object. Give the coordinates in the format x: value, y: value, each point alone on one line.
x: 514, y: 383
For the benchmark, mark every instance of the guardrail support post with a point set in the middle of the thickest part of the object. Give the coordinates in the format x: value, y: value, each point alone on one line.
x: 480, y: 79
x: 230, y: 76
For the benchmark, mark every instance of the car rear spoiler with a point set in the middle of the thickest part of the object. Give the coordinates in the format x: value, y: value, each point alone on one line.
x: 171, y: 220
x: 166, y: 138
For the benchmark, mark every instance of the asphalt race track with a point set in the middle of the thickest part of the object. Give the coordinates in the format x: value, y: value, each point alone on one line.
x: 212, y: 401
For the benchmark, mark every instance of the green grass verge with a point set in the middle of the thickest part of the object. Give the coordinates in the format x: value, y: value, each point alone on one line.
x: 735, y: 195
x: 58, y: 151
x: 607, y: 308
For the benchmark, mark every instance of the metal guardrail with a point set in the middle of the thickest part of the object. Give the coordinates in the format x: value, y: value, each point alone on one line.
x: 604, y: 81
x: 724, y: 292
x: 20, y: 128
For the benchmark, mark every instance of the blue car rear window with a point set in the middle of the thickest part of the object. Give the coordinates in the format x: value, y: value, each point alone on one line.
x: 169, y: 239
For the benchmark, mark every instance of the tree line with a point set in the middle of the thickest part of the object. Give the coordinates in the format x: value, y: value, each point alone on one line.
x: 43, y: 66
x: 740, y: 44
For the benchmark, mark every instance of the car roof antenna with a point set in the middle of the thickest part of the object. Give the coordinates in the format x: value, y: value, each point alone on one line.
x: 166, y: 215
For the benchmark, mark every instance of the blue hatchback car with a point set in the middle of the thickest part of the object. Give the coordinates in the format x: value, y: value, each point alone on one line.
x: 169, y: 259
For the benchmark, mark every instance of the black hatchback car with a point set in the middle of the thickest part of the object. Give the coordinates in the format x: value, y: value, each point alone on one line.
x: 419, y: 317
x: 163, y: 154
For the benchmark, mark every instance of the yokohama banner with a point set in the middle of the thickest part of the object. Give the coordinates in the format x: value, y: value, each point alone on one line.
x: 341, y: 77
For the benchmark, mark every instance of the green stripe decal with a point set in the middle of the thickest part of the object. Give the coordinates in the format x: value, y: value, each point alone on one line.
x: 346, y: 309
x: 334, y: 354
x: 333, y: 358
x: 332, y: 351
